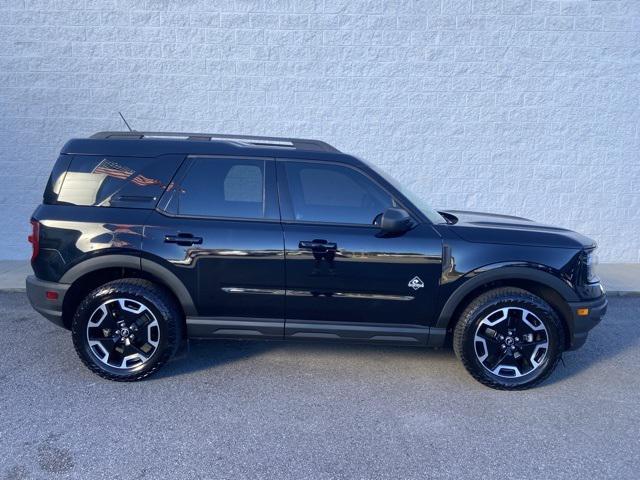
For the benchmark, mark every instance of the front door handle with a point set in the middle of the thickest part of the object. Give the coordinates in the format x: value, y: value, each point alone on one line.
x: 318, y: 245
x: 183, y: 239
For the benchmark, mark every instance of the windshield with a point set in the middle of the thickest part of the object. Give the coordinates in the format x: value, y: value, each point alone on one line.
x: 417, y: 200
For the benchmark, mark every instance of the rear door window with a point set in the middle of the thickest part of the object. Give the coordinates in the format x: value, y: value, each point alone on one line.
x: 221, y: 187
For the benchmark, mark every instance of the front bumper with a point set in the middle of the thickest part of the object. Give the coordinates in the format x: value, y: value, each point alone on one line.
x: 580, y: 325
x: 50, y: 308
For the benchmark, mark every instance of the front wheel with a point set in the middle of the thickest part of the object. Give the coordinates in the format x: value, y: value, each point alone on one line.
x: 127, y: 329
x: 509, y: 339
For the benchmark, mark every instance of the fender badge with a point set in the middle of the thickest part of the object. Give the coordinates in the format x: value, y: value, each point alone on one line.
x: 416, y: 283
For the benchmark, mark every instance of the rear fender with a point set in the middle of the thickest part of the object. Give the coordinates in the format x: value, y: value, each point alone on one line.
x: 158, y: 272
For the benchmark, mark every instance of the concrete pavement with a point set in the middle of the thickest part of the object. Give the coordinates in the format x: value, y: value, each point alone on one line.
x: 314, y: 411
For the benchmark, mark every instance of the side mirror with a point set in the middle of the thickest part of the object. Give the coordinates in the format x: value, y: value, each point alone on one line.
x: 394, y: 221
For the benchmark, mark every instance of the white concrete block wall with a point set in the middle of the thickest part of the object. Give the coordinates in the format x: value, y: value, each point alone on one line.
x: 525, y: 107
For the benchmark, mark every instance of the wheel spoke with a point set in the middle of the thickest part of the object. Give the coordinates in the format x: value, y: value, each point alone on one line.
x: 113, y: 311
x: 142, y: 321
x: 534, y: 343
x: 116, y: 355
x: 496, y: 360
x: 491, y: 335
x: 515, y: 316
x: 135, y: 349
x: 525, y: 363
x: 108, y: 342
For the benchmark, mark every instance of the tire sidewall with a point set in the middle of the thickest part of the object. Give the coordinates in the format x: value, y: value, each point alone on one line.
x: 84, y: 313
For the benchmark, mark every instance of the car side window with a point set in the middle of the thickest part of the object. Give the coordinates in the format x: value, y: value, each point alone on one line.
x: 95, y: 180
x: 216, y: 187
x: 333, y: 193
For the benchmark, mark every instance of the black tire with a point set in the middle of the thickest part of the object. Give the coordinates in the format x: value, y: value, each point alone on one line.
x: 470, y: 349
x: 160, y: 306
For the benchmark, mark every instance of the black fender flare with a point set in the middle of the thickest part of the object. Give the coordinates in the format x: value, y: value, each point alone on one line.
x: 164, y: 275
x: 502, y: 272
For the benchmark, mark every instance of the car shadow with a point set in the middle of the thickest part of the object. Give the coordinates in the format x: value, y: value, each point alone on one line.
x: 199, y: 355
x: 208, y: 354
x: 615, y: 335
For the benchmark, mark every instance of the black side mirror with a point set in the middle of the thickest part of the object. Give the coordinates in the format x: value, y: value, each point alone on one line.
x: 394, y: 221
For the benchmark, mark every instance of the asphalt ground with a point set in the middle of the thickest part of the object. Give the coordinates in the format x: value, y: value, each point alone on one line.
x: 292, y: 410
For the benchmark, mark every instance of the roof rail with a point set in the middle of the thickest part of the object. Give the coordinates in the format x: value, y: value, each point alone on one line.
x: 249, y: 140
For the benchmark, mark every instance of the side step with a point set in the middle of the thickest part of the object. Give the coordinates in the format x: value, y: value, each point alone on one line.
x: 357, y: 332
x: 235, y: 327
x: 275, y: 328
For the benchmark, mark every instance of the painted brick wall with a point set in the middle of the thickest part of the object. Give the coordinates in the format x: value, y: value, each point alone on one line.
x: 526, y: 107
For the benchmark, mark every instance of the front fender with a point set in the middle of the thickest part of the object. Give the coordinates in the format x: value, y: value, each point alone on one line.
x: 491, y: 273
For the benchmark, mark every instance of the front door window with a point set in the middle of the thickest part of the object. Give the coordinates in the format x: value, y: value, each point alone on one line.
x: 329, y: 193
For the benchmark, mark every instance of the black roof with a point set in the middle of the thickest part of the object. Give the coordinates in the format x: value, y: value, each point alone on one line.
x: 244, y: 140
x: 153, y: 144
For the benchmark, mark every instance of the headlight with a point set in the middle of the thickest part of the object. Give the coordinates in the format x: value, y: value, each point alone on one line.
x: 591, y: 263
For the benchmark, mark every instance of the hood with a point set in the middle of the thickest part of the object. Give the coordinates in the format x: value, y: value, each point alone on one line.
x: 493, y: 228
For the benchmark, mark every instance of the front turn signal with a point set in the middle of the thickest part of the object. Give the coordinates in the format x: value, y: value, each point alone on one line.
x: 582, y: 312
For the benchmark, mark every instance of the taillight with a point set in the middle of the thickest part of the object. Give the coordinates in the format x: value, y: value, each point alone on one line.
x: 34, y: 239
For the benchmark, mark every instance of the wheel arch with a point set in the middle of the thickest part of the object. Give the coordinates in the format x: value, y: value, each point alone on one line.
x: 97, y: 271
x: 539, y: 282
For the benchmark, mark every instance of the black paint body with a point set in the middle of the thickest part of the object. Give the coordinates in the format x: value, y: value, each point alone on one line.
x: 277, y: 277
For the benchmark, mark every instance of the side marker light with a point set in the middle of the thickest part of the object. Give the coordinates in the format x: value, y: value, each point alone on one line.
x: 51, y: 295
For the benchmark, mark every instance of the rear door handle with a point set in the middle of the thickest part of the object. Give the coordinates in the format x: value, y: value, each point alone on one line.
x: 183, y: 239
x: 318, y: 245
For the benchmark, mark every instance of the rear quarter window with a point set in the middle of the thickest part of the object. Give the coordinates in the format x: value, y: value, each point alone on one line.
x: 131, y: 182
x: 56, y: 178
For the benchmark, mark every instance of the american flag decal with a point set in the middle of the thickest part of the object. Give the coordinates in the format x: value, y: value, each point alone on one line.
x: 143, y: 181
x: 115, y: 170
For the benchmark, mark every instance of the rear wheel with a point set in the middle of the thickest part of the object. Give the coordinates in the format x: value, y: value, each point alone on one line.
x: 509, y: 339
x: 127, y: 329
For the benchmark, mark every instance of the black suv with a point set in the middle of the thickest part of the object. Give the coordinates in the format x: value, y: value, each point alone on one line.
x: 146, y: 239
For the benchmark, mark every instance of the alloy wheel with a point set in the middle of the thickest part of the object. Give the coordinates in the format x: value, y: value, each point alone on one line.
x: 123, y: 333
x: 511, y: 342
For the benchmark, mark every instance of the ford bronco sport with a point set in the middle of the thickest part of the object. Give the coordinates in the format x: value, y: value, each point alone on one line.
x: 146, y: 239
